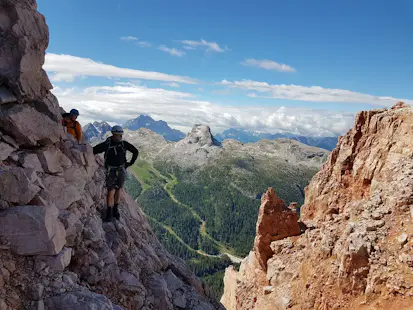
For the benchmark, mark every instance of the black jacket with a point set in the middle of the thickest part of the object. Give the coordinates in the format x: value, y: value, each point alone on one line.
x: 115, y: 152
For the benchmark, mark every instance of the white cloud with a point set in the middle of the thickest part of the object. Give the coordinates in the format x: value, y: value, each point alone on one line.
x: 137, y: 42
x: 172, y: 51
x: 175, y: 85
x: 129, y: 38
x: 312, y: 93
x: 124, y: 101
x: 143, y: 44
x: 211, y: 46
x: 67, y: 67
x: 268, y: 65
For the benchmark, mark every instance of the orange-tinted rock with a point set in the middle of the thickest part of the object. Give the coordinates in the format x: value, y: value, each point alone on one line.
x: 356, y: 207
x: 275, y: 222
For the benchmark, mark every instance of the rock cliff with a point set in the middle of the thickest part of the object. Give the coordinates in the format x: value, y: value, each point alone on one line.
x: 355, y: 250
x: 55, y: 252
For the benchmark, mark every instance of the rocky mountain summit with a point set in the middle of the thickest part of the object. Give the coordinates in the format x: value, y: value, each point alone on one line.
x: 354, y: 249
x: 96, y: 131
x: 55, y: 252
x: 160, y: 127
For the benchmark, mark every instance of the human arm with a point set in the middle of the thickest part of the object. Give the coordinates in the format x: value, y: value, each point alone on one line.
x: 78, y: 130
x: 100, y: 148
x: 129, y: 147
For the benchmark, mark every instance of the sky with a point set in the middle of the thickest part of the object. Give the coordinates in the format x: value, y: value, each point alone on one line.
x: 305, y: 67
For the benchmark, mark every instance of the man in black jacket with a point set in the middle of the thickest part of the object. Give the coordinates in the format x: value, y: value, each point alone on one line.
x: 115, y: 163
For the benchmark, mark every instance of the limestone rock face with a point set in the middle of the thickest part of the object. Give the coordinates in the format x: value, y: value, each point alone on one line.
x: 55, y: 252
x: 275, y: 222
x: 21, y: 73
x: 355, y: 248
x: 31, y: 230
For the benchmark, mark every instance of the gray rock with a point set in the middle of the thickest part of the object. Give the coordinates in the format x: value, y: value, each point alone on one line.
x: 22, y: 54
x: 31, y: 160
x: 6, y: 97
x: 180, y: 301
x: 76, y: 176
x: 80, y: 300
x: 17, y: 185
x: 57, y: 191
x: 5, y: 274
x: 5, y: 150
x: 9, y: 140
x: 29, y: 127
x: 59, y: 262
x: 35, y: 292
x: 10, y: 266
x: 162, y: 295
x: 39, y: 305
x: 203, y: 306
x: 53, y: 160
x: 32, y: 230
x: 172, y: 281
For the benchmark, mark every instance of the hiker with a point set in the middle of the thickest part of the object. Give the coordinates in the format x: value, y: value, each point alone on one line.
x: 72, y: 125
x: 115, y: 163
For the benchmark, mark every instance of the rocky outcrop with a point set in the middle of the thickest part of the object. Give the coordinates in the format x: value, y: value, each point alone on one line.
x: 55, y: 252
x: 356, y: 251
x: 275, y: 222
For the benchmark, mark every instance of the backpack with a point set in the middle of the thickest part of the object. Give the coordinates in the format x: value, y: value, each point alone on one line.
x: 114, y: 147
x: 64, y: 123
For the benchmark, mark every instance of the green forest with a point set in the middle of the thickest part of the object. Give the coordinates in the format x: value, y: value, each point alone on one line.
x: 200, y: 214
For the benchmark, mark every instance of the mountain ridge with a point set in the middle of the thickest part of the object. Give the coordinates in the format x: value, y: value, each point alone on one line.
x: 161, y: 127
x: 352, y: 248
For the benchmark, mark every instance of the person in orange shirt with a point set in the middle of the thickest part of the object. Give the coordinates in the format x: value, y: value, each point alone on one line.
x: 72, y: 125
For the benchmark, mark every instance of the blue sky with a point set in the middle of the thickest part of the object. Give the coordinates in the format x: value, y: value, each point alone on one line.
x: 302, y: 66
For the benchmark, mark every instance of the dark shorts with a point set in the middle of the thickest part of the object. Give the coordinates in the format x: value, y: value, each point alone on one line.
x: 115, y: 178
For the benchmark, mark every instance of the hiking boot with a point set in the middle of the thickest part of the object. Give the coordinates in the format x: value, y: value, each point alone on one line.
x: 116, y: 213
x: 109, y: 214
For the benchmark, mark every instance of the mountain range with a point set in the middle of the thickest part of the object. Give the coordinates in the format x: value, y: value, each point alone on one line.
x: 244, y: 135
x: 160, y: 127
x: 98, y: 129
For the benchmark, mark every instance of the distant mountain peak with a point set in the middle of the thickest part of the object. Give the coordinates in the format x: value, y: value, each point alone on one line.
x: 160, y: 127
x: 201, y: 135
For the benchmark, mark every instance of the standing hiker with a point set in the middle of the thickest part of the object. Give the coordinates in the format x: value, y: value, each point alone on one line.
x: 115, y: 163
x: 72, y: 125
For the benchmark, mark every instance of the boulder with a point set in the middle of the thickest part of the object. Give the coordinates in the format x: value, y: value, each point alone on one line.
x: 172, y: 281
x: 161, y: 293
x: 22, y: 54
x: 58, y: 192
x: 5, y: 150
x: 17, y: 185
x: 30, y: 160
x: 59, y: 262
x: 32, y: 230
x: 48, y: 105
x: 6, y: 96
x: 35, y: 292
x: 53, y: 160
x: 76, y: 176
x: 28, y: 126
x: 10, y: 140
x: 80, y: 300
